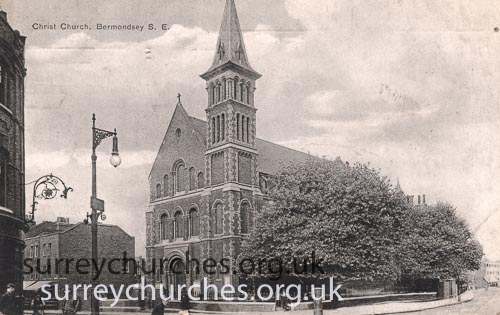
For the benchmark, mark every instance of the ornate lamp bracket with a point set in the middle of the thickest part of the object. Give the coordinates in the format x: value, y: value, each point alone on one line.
x: 47, y: 187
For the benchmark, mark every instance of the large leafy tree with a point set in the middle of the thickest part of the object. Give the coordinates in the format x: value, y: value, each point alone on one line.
x: 350, y: 216
x: 438, y: 243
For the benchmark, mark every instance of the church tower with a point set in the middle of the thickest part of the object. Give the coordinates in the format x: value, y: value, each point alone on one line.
x: 231, y: 154
x: 230, y: 88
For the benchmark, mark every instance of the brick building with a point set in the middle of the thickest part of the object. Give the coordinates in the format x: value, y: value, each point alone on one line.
x: 12, y: 212
x: 49, y: 241
x: 210, y: 177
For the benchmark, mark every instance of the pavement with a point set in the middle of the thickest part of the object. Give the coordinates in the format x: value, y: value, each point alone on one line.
x: 486, y: 302
x: 480, y: 302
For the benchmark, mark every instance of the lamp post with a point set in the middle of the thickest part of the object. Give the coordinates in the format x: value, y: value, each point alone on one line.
x: 96, y: 204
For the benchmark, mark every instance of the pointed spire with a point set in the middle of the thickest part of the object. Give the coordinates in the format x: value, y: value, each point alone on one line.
x: 398, y: 187
x: 230, y: 46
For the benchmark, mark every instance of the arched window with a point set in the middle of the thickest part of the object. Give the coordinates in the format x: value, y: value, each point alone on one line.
x: 217, y: 272
x: 218, y: 128
x: 192, y: 179
x: 245, y: 217
x: 213, y: 129
x: 218, y: 218
x: 164, y: 226
x: 244, y: 94
x: 209, y: 90
x: 248, y: 129
x: 238, y: 126
x: 166, y: 191
x: 235, y: 88
x: 218, y: 92
x: 3, y: 86
x: 178, y: 226
x: 213, y: 94
x: 180, y: 177
x: 4, y: 156
x: 194, y: 222
x: 223, y: 126
x: 243, y: 127
x: 263, y: 184
x: 158, y: 191
x: 224, y: 88
x: 248, y: 94
x: 241, y: 92
x: 201, y: 180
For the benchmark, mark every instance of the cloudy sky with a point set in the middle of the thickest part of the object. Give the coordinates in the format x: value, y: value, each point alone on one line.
x: 410, y: 86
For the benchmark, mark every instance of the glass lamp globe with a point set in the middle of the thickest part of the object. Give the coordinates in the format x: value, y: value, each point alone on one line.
x: 115, y: 159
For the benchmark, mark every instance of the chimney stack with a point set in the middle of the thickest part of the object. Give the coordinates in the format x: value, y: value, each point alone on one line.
x: 418, y: 199
x: 423, y: 197
x: 62, y: 220
x: 409, y: 199
x: 3, y: 16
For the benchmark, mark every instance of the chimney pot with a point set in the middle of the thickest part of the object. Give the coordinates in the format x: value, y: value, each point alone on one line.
x: 418, y: 199
x: 423, y: 197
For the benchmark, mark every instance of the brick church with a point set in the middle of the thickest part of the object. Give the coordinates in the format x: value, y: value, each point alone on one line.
x: 210, y: 177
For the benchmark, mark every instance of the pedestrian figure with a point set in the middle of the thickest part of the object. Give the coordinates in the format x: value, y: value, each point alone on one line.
x: 284, y: 304
x: 9, y: 304
x: 71, y: 304
x: 142, y: 303
x: 184, y: 303
x: 37, y: 304
x: 160, y: 308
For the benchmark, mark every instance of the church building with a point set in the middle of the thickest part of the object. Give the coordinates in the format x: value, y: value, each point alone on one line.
x: 210, y: 177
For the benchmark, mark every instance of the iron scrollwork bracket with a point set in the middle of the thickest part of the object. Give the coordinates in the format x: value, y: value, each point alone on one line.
x: 47, y: 187
x: 101, y: 134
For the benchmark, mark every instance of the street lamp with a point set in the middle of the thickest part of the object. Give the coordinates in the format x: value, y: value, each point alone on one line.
x: 97, y: 204
x: 47, y: 187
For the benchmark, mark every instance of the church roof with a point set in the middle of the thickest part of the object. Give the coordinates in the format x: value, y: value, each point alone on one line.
x: 272, y: 156
x: 230, y: 46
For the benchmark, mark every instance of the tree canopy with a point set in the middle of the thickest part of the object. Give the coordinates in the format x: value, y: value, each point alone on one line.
x: 349, y: 215
x: 438, y: 243
x: 359, y: 224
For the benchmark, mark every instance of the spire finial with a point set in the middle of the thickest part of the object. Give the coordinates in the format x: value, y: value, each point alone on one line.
x: 179, y: 97
x: 398, y: 187
x: 230, y: 45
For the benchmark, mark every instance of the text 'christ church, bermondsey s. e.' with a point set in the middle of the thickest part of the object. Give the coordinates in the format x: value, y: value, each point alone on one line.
x: 210, y: 177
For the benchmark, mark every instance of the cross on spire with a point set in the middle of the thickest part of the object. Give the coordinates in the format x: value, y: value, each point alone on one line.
x: 179, y: 97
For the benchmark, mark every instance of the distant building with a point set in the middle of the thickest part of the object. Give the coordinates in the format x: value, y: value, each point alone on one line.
x: 49, y: 242
x: 12, y: 224
x: 488, y: 274
x: 410, y: 199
